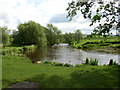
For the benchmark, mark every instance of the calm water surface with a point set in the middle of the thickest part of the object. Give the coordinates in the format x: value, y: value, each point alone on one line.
x: 65, y: 54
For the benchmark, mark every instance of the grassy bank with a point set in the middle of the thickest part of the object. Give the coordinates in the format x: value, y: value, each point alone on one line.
x: 98, y: 43
x: 18, y: 69
x: 16, y: 51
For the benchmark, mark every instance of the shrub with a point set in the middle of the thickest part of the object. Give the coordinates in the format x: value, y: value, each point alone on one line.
x: 67, y: 65
x: 91, y: 62
x: 94, y: 62
x: 111, y: 62
x: 115, y: 63
x: 104, y: 64
x: 77, y: 65
x: 52, y: 63
x: 87, y: 61
x: 47, y: 62
x: 25, y: 48
x: 58, y: 64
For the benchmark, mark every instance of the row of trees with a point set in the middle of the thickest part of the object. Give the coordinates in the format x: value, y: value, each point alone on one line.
x: 71, y: 37
x: 32, y: 33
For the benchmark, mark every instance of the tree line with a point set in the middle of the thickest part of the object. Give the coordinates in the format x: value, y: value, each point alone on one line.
x: 32, y: 33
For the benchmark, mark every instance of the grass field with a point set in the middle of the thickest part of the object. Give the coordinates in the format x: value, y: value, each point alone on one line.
x: 18, y: 69
x: 95, y: 43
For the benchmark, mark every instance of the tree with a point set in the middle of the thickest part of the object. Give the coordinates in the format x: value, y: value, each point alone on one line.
x: 78, y: 35
x: 41, y: 39
x: 30, y: 33
x: 53, y: 35
x: 69, y: 38
x: 105, y: 13
x: 4, y: 36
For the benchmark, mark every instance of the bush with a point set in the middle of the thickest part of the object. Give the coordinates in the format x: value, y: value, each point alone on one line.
x: 58, y: 64
x: 94, y: 62
x: 87, y: 61
x: 111, y: 62
x: 67, y: 65
x: 77, y: 65
x: 47, y: 62
x: 91, y: 62
x: 115, y: 63
x: 104, y: 65
x: 25, y: 48
x: 52, y: 63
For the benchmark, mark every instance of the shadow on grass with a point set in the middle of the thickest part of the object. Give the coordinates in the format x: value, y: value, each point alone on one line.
x: 79, y: 79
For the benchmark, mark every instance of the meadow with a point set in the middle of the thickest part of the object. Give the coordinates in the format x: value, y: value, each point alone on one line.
x: 19, y: 69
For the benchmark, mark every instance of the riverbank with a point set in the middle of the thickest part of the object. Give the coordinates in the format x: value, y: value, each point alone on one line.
x: 111, y: 44
x: 16, y: 51
x: 19, y: 69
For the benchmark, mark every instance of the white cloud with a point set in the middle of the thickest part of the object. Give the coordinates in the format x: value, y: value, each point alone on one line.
x: 18, y: 11
x: 72, y: 26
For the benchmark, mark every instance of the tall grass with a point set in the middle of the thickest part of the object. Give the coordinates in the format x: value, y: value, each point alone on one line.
x: 93, y: 62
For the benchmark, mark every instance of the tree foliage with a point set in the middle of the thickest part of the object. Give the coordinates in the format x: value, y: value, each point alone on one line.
x: 98, y: 11
x: 4, y: 36
x: 53, y: 35
x: 71, y: 37
x: 30, y: 33
x: 78, y: 35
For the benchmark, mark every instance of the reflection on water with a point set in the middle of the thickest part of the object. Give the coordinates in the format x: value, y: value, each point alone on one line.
x: 66, y: 54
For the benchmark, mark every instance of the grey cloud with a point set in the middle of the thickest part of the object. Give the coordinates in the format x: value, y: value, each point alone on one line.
x: 59, y: 18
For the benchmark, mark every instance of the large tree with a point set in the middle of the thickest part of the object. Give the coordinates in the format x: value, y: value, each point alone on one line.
x: 69, y: 38
x: 53, y: 35
x: 30, y: 33
x: 78, y: 35
x: 98, y: 11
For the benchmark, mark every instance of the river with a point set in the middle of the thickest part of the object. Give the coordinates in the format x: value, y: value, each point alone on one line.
x: 65, y: 54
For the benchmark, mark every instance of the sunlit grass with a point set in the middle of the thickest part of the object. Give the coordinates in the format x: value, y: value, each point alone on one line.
x: 103, y: 42
x: 18, y: 69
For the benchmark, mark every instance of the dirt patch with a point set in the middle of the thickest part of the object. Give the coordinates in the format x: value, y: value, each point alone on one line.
x: 25, y: 84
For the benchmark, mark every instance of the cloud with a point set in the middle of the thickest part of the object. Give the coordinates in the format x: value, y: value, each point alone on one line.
x: 72, y: 26
x: 58, y: 18
x: 4, y: 17
x: 15, y: 12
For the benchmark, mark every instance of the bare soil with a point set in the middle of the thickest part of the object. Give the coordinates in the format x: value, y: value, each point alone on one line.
x: 25, y: 84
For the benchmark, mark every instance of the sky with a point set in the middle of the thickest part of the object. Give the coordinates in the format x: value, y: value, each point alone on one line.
x: 14, y: 12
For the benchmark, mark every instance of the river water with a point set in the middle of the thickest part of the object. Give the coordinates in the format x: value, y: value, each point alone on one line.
x: 65, y: 54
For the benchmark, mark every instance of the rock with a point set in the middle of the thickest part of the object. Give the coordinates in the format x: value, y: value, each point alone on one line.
x: 38, y: 62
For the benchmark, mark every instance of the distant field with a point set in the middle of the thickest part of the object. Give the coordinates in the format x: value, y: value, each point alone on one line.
x: 94, y: 43
x: 18, y: 69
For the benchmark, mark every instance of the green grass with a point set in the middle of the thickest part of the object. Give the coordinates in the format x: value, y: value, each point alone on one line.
x: 15, y: 51
x: 97, y: 43
x: 18, y: 69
